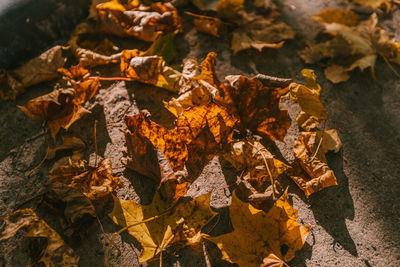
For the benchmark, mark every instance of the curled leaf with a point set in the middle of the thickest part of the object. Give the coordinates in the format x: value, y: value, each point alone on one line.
x: 310, y: 169
x: 37, y: 70
x: 145, y: 23
x: 53, y: 252
x: 308, y: 97
x: 260, y: 172
x: 206, y: 24
x: 257, y: 234
x: 94, y: 183
x: 179, y: 225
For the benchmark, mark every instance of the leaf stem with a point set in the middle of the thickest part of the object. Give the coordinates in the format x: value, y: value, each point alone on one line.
x: 110, y: 78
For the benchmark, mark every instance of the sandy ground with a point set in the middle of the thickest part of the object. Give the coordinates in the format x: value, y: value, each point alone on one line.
x: 353, y: 224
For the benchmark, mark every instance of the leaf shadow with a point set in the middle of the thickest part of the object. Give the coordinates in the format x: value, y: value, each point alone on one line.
x: 333, y: 205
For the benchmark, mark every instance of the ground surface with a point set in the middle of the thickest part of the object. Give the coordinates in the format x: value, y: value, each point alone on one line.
x: 353, y: 224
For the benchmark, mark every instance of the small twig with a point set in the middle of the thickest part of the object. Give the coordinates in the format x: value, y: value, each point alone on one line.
x: 391, y: 67
x: 160, y: 258
x: 319, y: 144
x: 110, y: 78
x: 269, y: 171
x: 29, y: 173
x: 95, y: 142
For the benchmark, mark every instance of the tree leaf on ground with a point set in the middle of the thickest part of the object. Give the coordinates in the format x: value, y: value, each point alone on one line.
x: 224, y: 8
x: 53, y: 252
x: 158, y: 153
x: 251, y: 157
x: 255, y: 31
x: 94, y: 182
x: 61, y: 108
x: 40, y: 69
x: 207, y: 24
x: 89, y: 53
x: 254, y: 101
x: 308, y: 97
x: 76, y: 210
x: 145, y: 23
x: 178, y: 225
x: 149, y: 69
x: 163, y: 46
x: 257, y: 234
x: 310, y: 170
x: 351, y: 46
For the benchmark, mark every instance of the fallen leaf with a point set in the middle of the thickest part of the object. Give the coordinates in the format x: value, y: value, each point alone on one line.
x: 157, y: 152
x: 143, y: 22
x: 94, y: 182
x: 254, y: 101
x: 273, y: 261
x: 310, y: 170
x: 149, y: 69
x: 163, y: 46
x: 351, y: 46
x: 61, y: 108
x: 89, y: 53
x: 308, y: 97
x: 260, y: 171
x: 40, y: 69
x: 206, y: 24
x: 255, y: 31
x: 53, y: 252
x: 75, y: 210
x: 167, y: 225
x: 257, y: 234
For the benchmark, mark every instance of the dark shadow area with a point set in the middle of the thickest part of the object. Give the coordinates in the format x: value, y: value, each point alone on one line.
x: 301, y: 256
x: 84, y: 129
x: 151, y: 98
x: 333, y: 205
x: 143, y: 186
x: 38, y: 23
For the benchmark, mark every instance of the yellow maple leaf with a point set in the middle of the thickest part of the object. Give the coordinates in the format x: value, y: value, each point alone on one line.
x: 180, y: 224
x: 257, y: 234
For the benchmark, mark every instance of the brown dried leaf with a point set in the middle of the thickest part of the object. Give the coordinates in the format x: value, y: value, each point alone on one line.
x: 149, y: 69
x: 351, y: 46
x: 53, y: 252
x: 157, y: 152
x: 259, y: 167
x: 310, y: 169
x: 143, y: 22
x: 206, y: 24
x: 259, y: 32
x: 73, y: 143
x: 37, y: 70
x: 94, y: 183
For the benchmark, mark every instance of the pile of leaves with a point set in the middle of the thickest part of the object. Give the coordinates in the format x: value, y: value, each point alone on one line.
x: 232, y: 119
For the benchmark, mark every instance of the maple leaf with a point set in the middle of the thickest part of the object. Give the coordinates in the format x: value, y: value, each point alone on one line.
x: 93, y: 182
x: 53, y: 252
x: 68, y: 143
x: 37, y: 70
x: 157, y: 152
x: 254, y: 101
x: 61, y: 108
x: 75, y: 210
x: 310, y: 170
x: 132, y: 19
x: 174, y: 225
x: 350, y: 46
x: 255, y: 31
x: 257, y: 234
x: 260, y: 172
x: 308, y: 97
